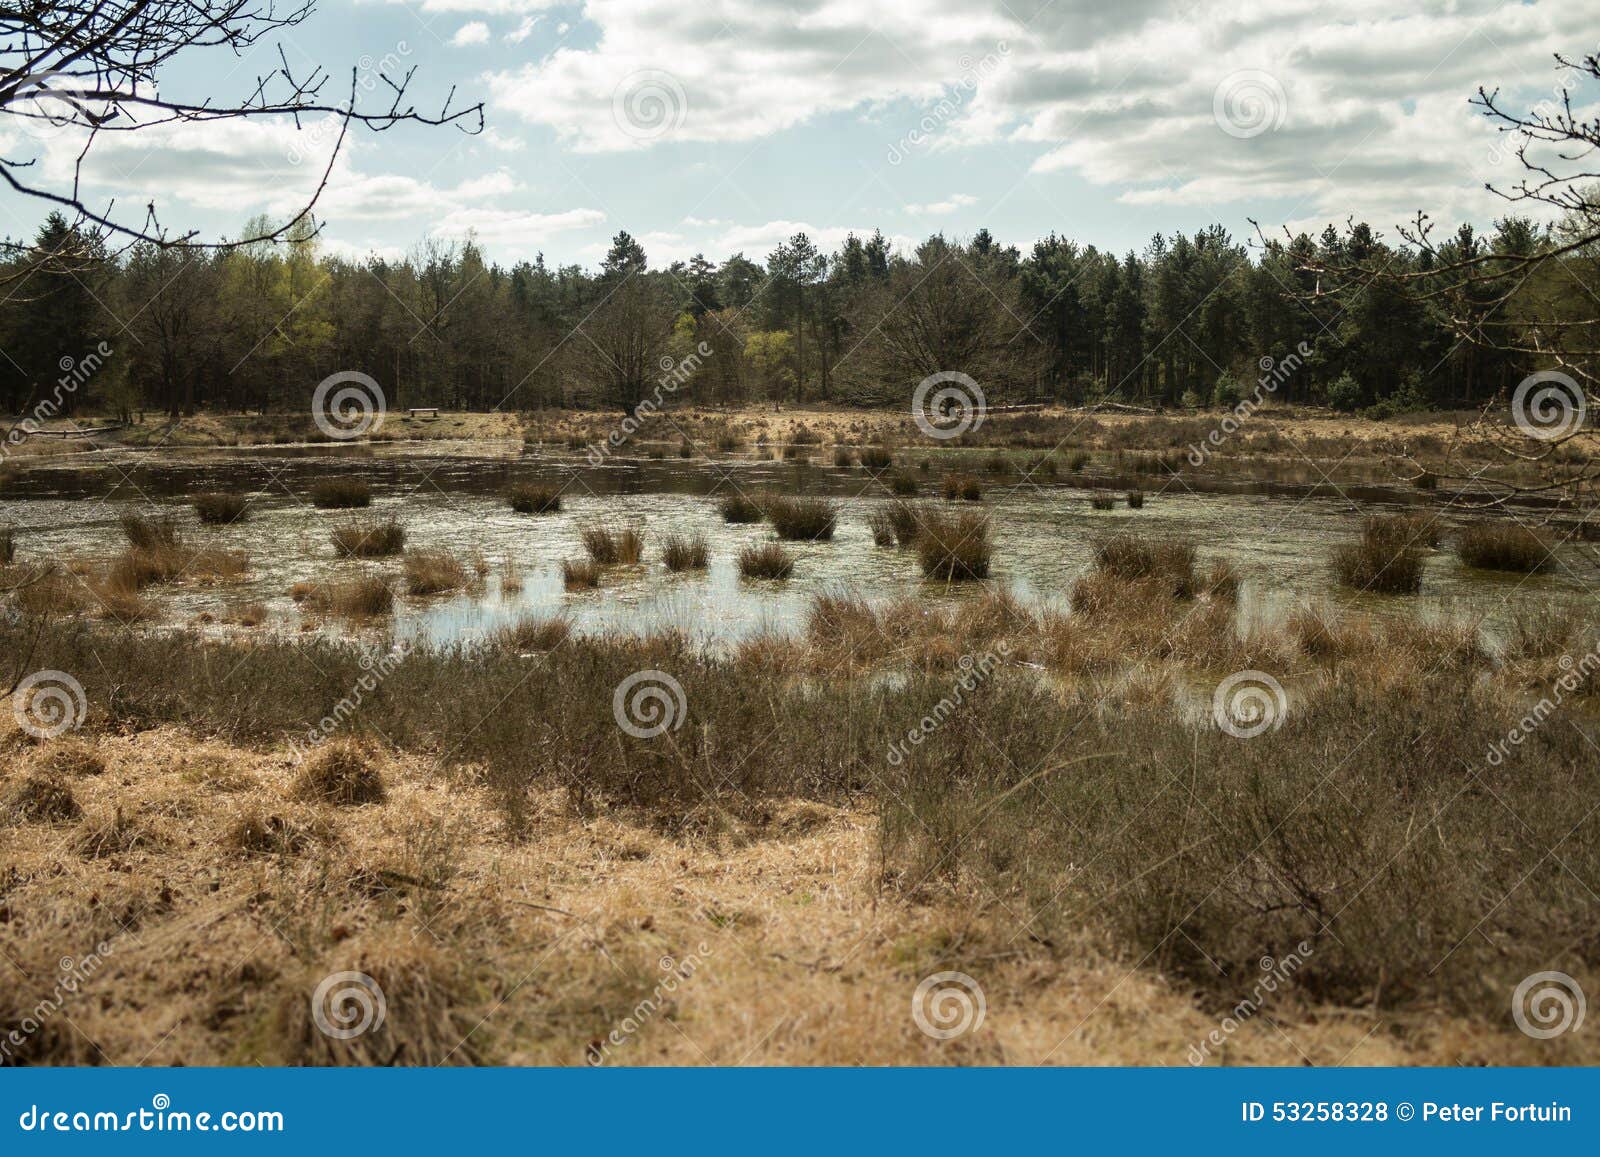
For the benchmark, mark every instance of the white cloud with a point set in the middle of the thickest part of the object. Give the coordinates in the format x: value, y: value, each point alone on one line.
x: 476, y: 32
x: 523, y: 30
x: 513, y: 232
x: 938, y: 208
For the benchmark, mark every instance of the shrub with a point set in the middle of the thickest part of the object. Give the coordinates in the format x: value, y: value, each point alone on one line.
x: 876, y: 458
x: 766, y: 560
x: 685, y: 552
x: 954, y: 547
x: 369, y: 538
x: 610, y: 546
x: 340, y: 772
x: 1102, y: 500
x: 802, y: 519
x: 1503, y: 546
x: 531, y: 498
x: 737, y: 508
x: 432, y: 572
x: 962, y: 486
x: 1132, y: 558
x: 685, y: 450
x: 341, y: 494
x: 1345, y: 394
x: 580, y: 574
x: 221, y: 509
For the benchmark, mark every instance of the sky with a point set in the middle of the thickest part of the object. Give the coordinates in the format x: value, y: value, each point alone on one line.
x: 723, y: 126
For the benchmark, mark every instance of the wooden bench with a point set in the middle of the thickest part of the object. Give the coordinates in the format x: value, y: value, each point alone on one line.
x: 430, y: 411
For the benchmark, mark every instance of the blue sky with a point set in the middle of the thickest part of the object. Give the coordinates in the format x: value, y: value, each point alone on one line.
x: 728, y: 124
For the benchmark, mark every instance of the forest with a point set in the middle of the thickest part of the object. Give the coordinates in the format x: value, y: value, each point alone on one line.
x: 253, y: 327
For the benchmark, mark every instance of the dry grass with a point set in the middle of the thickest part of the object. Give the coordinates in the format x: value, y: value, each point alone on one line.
x: 580, y: 574
x: 532, y: 498
x: 954, y: 547
x: 1136, y: 500
x: 340, y: 772
x: 341, y: 493
x: 533, y: 634
x: 681, y: 552
x: 39, y: 799
x: 1102, y: 500
x: 221, y: 509
x: 1169, y: 563
x: 613, y: 546
x: 433, y: 572
x: 1386, y: 560
x: 766, y: 560
x: 8, y: 545
x: 736, y: 508
x: 1503, y: 546
x: 964, y: 487
x: 802, y: 519
x: 358, y: 598
x: 369, y: 538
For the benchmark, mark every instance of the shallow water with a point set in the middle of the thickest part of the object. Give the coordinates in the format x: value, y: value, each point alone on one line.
x: 448, y: 496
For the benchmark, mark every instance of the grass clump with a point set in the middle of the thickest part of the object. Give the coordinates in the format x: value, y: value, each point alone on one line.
x: 532, y: 498
x: 358, y: 598
x: 41, y: 799
x: 766, y: 560
x: 341, y: 494
x: 802, y: 519
x: 218, y: 509
x: 432, y: 572
x: 685, y: 552
x: 369, y: 538
x: 906, y: 518
x: 1503, y: 546
x: 1384, y: 561
x: 613, y: 546
x: 737, y: 508
x: 876, y: 458
x: 963, y: 486
x: 1102, y: 500
x: 8, y: 545
x: 882, y: 528
x: 954, y: 547
x: 580, y: 574
x: 145, y: 532
x: 1136, y: 500
x: 843, y: 457
x: 1133, y: 558
x: 902, y: 484
x: 533, y: 634
x: 340, y: 772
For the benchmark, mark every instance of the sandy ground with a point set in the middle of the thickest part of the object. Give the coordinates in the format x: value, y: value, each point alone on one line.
x: 595, y: 939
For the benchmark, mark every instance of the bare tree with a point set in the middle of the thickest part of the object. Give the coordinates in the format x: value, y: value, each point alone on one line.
x: 1536, y: 298
x: 89, y: 67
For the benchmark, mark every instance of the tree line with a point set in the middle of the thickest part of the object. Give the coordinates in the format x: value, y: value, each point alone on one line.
x: 1185, y: 322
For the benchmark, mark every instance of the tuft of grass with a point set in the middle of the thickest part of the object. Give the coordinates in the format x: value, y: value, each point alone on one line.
x: 902, y: 484
x: 41, y: 799
x: 341, y: 493
x: 533, y: 634
x: 843, y: 456
x: 766, y: 560
x: 1503, y: 546
x: 8, y: 545
x: 685, y: 552
x: 432, y: 572
x: 70, y: 759
x: 1136, y: 500
x: 954, y: 547
x: 1043, y: 466
x: 148, y: 533
x: 612, y: 546
x: 1102, y: 500
x: 1076, y: 461
x: 220, y: 509
x: 739, y: 509
x: 358, y: 598
x: 1401, y: 530
x: 254, y: 834
x: 876, y: 458
x: 963, y: 486
x: 882, y: 528
x: 1385, y: 560
x: 906, y: 518
x: 580, y: 574
x: 802, y: 519
x: 997, y: 463
x: 114, y: 835
x: 1133, y: 558
x: 340, y: 772
x: 531, y: 498
x: 369, y: 538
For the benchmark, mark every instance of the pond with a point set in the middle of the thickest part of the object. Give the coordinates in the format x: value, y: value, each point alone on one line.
x: 449, y: 497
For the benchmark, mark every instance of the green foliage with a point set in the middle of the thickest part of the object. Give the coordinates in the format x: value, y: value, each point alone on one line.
x: 1345, y: 394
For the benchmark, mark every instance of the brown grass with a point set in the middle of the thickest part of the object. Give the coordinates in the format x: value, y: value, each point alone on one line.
x: 365, y: 597
x: 1503, y: 546
x: 369, y: 538
x: 340, y: 772
x: 580, y: 574
x: 532, y: 498
x: 533, y: 634
x: 766, y: 560
x: 221, y: 509
x: 432, y: 572
x: 954, y: 547
x: 800, y: 519
x: 613, y: 546
x: 682, y: 552
x: 341, y: 493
